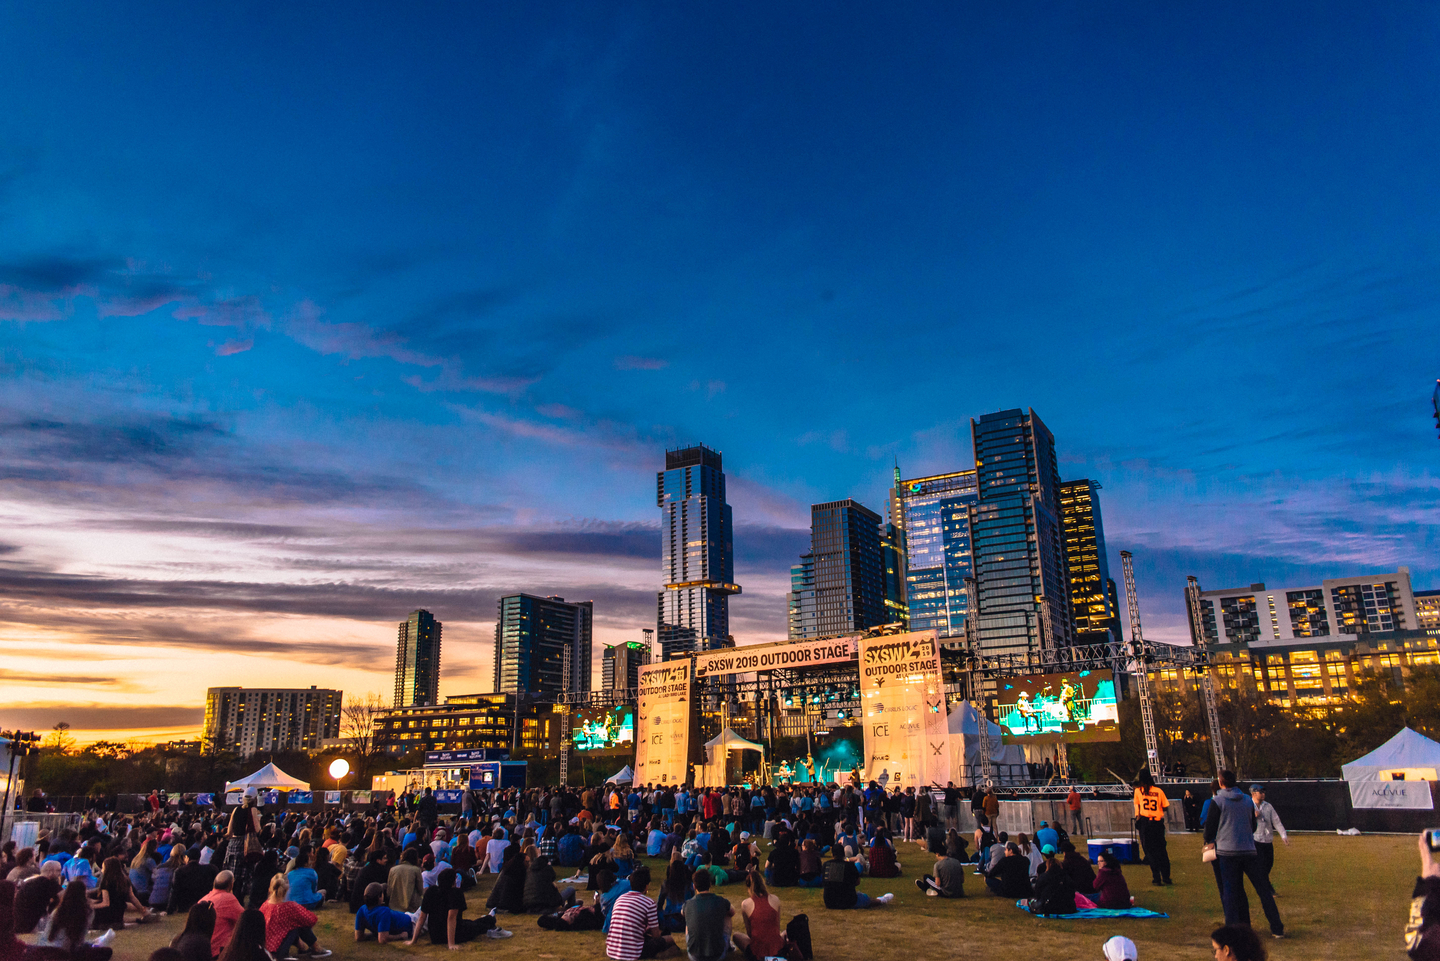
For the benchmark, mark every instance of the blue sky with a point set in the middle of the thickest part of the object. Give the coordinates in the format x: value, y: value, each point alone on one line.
x: 313, y: 314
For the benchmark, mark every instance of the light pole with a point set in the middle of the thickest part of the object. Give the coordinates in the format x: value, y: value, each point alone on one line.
x: 338, y: 769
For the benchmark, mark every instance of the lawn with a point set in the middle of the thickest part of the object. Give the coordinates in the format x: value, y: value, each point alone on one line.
x: 1340, y: 898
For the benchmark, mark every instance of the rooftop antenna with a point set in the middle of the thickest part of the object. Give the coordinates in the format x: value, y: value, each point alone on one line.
x: 1435, y: 403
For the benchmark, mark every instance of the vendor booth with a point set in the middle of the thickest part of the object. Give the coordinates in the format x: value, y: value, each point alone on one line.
x: 1396, y: 774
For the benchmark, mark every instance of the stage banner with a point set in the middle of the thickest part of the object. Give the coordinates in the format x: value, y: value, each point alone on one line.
x: 662, y: 722
x: 1409, y: 795
x: 360, y: 797
x: 205, y: 800
x: 332, y: 797
x: 907, y: 734
x: 770, y: 657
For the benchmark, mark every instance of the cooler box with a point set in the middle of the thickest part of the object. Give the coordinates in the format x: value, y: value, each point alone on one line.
x: 1125, y: 850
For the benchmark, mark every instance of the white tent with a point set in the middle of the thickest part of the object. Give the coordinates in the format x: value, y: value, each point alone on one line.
x: 624, y: 776
x: 1408, y: 756
x: 713, y: 772
x: 268, y: 778
x: 1007, y: 761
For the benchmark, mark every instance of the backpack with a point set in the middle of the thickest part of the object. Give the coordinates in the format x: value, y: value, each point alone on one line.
x: 834, y: 872
x: 797, y: 938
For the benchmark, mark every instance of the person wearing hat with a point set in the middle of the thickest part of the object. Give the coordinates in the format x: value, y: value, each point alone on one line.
x: 1054, y: 891
x: 1119, y: 948
x: 1267, y: 825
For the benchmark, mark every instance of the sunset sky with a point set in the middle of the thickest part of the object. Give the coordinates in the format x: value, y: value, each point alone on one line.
x: 314, y: 314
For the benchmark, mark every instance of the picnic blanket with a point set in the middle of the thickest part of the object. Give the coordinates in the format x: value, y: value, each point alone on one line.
x: 1097, y: 913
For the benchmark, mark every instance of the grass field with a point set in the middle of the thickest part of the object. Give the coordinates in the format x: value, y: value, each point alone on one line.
x: 1340, y: 898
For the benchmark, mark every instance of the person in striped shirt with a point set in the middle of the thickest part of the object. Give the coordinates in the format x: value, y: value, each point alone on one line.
x: 634, y: 930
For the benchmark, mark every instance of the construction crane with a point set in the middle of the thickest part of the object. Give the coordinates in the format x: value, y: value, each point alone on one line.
x: 1140, y: 659
x: 1207, y: 685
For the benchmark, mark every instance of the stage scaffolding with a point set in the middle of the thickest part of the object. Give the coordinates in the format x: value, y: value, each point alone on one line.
x: 789, y: 702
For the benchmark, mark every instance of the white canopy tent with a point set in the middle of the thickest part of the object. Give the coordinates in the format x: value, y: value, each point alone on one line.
x: 268, y: 778
x: 623, y: 776
x: 1007, y: 761
x: 1408, y: 756
x: 713, y: 772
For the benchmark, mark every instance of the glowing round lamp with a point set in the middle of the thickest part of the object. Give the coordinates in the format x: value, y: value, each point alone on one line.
x: 339, y: 768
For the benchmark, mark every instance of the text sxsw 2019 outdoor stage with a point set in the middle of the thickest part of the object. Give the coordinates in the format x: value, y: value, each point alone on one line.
x: 906, y: 725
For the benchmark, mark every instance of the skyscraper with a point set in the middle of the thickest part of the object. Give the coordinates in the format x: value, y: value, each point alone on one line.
x: 1096, y: 619
x: 697, y: 553
x: 620, y: 665
x: 533, y: 636
x: 1024, y: 594
x: 417, y: 661
x: 246, y: 720
x: 845, y: 571
x: 933, y: 517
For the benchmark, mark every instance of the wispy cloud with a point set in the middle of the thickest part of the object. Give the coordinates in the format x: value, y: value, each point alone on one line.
x: 633, y: 362
x: 234, y: 347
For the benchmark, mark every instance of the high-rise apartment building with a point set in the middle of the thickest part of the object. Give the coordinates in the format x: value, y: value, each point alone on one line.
x: 1024, y: 593
x: 1427, y: 610
x: 534, y: 636
x: 892, y: 558
x: 247, y: 720
x: 620, y: 665
x: 417, y: 661
x: 1256, y: 615
x: 842, y: 580
x: 932, y: 516
x: 697, y: 553
x: 1095, y: 617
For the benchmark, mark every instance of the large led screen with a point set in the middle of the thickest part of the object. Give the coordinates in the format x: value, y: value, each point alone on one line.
x: 1075, y: 707
x: 604, y: 730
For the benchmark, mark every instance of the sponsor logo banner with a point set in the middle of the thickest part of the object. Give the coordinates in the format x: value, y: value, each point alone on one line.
x: 1410, y: 795
x: 907, y: 734
x: 662, y: 723
x: 770, y: 657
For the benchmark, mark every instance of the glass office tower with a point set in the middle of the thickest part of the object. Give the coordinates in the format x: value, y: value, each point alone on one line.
x: 417, y: 660
x: 840, y: 586
x: 934, y: 521
x: 1024, y: 594
x: 1096, y: 619
x: 533, y: 635
x: 697, y: 553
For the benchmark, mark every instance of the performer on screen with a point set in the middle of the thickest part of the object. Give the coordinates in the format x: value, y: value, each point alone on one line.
x: 1026, y: 710
x: 1068, y: 692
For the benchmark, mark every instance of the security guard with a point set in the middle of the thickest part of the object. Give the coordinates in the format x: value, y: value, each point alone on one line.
x: 1150, y: 805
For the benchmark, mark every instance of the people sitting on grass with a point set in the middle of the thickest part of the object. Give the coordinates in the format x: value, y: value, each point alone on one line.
x: 633, y: 927
x: 114, y: 894
x: 675, y: 890
x: 1010, y: 878
x: 782, y: 867
x: 842, y: 881
x: 508, y: 894
x: 1077, y: 865
x: 287, y: 924
x: 304, y: 881
x: 948, y: 881
x: 247, y: 942
x: 1110, y: 889
x: 760, y: 912
x: 442, y: 913
x: 405, y: 882
x: 998, y: 850
x: 1053, y: 890
x: 386, y: 923
x: 193, y: 943
x: 227, y: 909
x: 707, y: 918
x: 883, y: 863
x: 541, y: 895
x: 37, y: 897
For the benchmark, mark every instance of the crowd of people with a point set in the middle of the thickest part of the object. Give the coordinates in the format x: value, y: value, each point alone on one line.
x: 250, y: 883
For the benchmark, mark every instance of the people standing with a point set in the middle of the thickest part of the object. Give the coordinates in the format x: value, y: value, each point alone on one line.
x: 1267, y: 825
x: 1230, y: 833
x: 1075, y: 805
x: 1150, y: 806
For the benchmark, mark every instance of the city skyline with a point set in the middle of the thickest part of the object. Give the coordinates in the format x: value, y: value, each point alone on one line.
x: 308, y: 321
